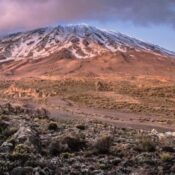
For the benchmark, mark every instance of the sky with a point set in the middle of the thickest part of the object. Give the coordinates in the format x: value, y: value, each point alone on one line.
x: 149, y: 20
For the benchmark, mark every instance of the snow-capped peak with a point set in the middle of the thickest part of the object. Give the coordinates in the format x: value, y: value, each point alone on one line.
x: 82, y: 41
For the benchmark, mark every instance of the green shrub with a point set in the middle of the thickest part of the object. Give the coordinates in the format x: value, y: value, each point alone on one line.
x: 22, y: 149
x: 66, y: 155
x: 166, y: 157
x: 21, y: 153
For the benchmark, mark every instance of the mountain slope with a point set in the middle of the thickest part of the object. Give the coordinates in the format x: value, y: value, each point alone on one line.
x: 81, y: 49
x: 81, y: 41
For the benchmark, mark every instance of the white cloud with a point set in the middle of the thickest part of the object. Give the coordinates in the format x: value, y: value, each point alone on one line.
x: 27, y: 14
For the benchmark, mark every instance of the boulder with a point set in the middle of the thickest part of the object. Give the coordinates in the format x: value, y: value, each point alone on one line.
x: 27, y: 135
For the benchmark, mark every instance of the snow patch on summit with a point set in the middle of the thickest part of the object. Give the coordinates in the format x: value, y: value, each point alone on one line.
x: 82, y: 41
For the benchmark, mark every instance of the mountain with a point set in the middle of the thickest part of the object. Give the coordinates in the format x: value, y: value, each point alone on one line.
x: 81, y: 41
x: 47, y: 46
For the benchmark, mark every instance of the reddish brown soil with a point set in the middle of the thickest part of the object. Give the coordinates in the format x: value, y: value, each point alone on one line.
x: 131, y: 63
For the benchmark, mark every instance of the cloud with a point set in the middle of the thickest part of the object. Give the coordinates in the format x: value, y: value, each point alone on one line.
x: 20, y: 14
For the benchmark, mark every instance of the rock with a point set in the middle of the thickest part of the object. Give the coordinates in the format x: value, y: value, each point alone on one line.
x: 40, y: 171
x: 7, y: 109
x: 66, y: 143
x: 3, y: 126
x: 81, y: 127
x: 41, y: 113
x: 116, y: 161
x: 6, y: 147
x: 74, y: 172
x: 173, y: 168
x: 154, y: 132
x: 72, y: 160
x: 98, y: 172
x: 143, y: 171
x: 170, y: 134
x: 27, y: 135
x: 22, y: 171
x: 168, y: 149
x: 85, y: 171
x: 146, y: 158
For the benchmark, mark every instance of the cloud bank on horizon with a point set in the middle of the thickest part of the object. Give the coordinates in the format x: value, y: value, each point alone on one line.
x: 28, y: 14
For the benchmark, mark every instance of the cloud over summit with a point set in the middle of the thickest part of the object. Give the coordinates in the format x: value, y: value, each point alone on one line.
x: 20, y: 14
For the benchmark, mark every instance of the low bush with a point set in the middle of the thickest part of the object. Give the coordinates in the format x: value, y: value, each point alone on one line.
x: 56, y: 147
x: 166, y: 157
x: 22, y: 149
x: 146, y: 145
x: 75, y: 143
x: 53, y: 126
x: 103, y: 144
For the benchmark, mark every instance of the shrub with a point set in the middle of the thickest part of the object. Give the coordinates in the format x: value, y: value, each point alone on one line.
x: 21, y: 153
x: 22, y: 149
x: 103, y: 144
x: 3, y: 126
x: 55, y: 147
x: 22, y: 170
x: 99, y: 85
x: 66, y: 155
x: 81, y: 127
x: 168, y: 149
x: 74, y: 143
x: 5, y: 166
x: 166, y: 157
x: 53, y: 126
x: 10, y: 131
x: 4, y: 118
x: 147, y: 145
x: 102, y: 86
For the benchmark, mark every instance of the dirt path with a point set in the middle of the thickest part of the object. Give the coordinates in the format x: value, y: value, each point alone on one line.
x: 66, y: 110
x: 62, y: 109
x: 57, y: 115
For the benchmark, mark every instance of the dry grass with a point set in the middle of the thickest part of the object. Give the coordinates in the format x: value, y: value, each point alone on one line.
x: 154, y: 97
